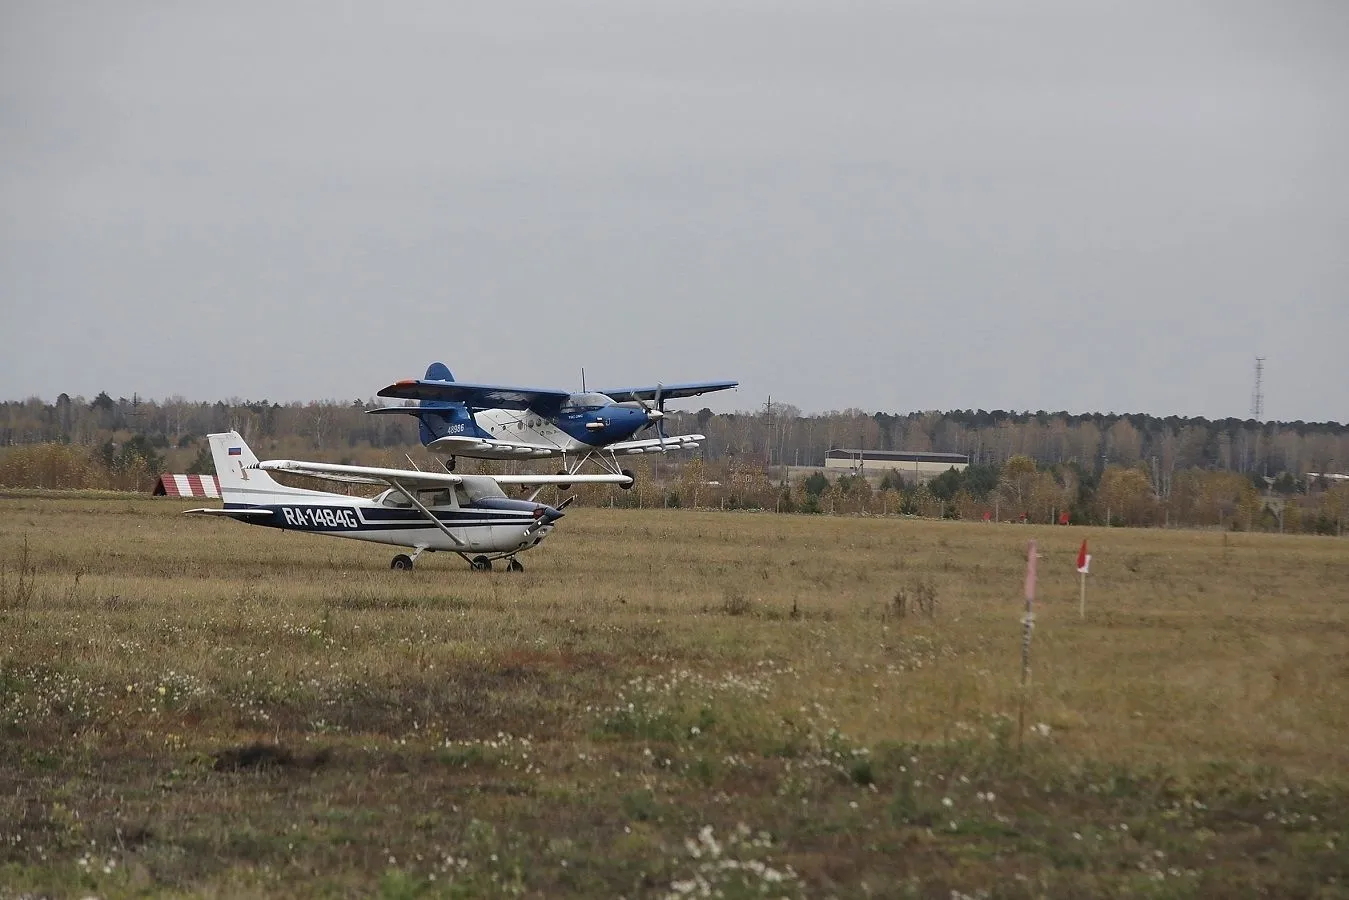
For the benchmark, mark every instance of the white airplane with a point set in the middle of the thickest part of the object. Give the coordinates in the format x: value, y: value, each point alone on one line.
x: 494, y: 421
x: 465, y: 514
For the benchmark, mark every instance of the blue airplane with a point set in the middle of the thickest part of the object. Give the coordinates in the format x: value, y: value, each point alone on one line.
x: 493, y: 421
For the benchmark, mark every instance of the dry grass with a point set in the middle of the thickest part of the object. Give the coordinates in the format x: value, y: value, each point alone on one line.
x: 203, y: 707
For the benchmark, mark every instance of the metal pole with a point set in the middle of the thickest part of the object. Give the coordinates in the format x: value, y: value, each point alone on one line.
x: 1027, y: 623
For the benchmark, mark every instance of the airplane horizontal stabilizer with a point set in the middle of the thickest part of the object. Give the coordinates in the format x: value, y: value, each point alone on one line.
x: 229, y: 513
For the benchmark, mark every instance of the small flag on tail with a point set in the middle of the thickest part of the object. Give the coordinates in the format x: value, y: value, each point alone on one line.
x: 236, y: 451
x: 1083, y: 559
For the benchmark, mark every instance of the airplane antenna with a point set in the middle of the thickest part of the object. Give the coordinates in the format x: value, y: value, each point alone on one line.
x: 411, y: 460
x: 583, y: 379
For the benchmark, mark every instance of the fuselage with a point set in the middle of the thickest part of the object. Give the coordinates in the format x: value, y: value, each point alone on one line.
x: 572, y: 430
x: 478, y: 515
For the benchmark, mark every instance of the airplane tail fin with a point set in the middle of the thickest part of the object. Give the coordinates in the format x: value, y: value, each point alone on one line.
x: 438, y: 371
x: 436, y: 418
x: 233, y: 459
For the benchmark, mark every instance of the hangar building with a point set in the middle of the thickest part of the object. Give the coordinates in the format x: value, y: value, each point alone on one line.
x: 914, y: 465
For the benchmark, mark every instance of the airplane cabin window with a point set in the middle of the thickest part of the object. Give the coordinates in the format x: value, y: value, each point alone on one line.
x: 587, y: 401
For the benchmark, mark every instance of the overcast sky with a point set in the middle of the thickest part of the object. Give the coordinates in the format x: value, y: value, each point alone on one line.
x: 1049, y: 204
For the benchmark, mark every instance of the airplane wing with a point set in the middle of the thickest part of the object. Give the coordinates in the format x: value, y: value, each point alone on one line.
x: 669, y: 391
x: 559, y: 479
x: 489, y: 448
x: 410, y: 478
x: 544, y: 401
x: 654, y: 445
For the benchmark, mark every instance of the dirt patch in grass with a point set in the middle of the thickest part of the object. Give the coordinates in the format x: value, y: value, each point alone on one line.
x: 259, y: 756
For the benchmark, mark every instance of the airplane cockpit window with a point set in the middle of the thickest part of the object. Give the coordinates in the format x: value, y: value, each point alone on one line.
x: 435, y: 498
x: 395, y: 499
x: 587, y: 401
x: 481, y: 489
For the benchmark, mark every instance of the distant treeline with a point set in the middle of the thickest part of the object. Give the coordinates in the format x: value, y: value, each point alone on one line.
x: 1121, y: 469
x: 775, y: 435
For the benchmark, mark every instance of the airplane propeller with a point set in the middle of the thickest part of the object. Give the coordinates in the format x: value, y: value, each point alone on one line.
x: 655, y: 414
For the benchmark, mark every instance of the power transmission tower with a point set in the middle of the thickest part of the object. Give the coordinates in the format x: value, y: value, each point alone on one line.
x: 1258, y: 404
x: 1258, y: 395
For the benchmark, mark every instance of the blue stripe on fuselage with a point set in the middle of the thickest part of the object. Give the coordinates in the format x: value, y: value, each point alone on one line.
x: 337, y: 518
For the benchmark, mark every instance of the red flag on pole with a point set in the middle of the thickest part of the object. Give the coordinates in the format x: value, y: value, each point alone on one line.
x: 1083, y: 558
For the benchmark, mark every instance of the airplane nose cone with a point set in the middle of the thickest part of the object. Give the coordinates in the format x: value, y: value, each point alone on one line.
x: 654, y: 415
x: 548, y: 514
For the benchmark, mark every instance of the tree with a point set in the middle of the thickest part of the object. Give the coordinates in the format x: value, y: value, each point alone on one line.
x: 816, y: 484
x: 139, y: 453
x: 893, y: 481
x: 1127, y: 495
x: 981, y: 480
x: 1286, y: 484
x: 946, y: 485
x: 692, y: 480
x: 1017, y: 481
x: 203, y: 464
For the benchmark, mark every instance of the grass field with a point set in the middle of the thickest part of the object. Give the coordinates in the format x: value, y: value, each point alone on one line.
x: 667, y: 703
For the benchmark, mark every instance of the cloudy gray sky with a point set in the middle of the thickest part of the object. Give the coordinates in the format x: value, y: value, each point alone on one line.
x: 1053, y: 204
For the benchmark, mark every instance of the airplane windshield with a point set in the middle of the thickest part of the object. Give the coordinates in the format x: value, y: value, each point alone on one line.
x: 481, y: 488
x: 588, y: 401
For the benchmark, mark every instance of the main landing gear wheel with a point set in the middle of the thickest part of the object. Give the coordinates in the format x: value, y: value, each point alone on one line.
x: 514, y: 566
x: 401, y: 563
x: 564, y: 487
x: 632, y: 479
x: 481, y: 564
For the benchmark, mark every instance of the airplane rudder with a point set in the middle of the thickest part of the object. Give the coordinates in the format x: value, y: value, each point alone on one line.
x: 425, y: 430
x: 438, y: 371
x: 232, y: 456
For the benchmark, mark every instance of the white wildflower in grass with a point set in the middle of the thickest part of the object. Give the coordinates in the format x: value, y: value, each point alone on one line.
x: 736, y: 866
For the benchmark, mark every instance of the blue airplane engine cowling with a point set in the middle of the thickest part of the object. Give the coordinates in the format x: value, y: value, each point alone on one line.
x: 603, y: 425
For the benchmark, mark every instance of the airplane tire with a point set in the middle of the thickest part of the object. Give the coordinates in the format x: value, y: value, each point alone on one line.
x: 564, y: 487
x: 628, y: 474
x: 515, y: 566
x: 481, y: 564
x: 401, y: 563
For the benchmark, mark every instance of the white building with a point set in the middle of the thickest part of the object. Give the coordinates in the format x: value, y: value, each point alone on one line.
x: 915, y: 465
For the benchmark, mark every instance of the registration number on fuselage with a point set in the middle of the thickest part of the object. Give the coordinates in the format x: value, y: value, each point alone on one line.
x: 320, y: 517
